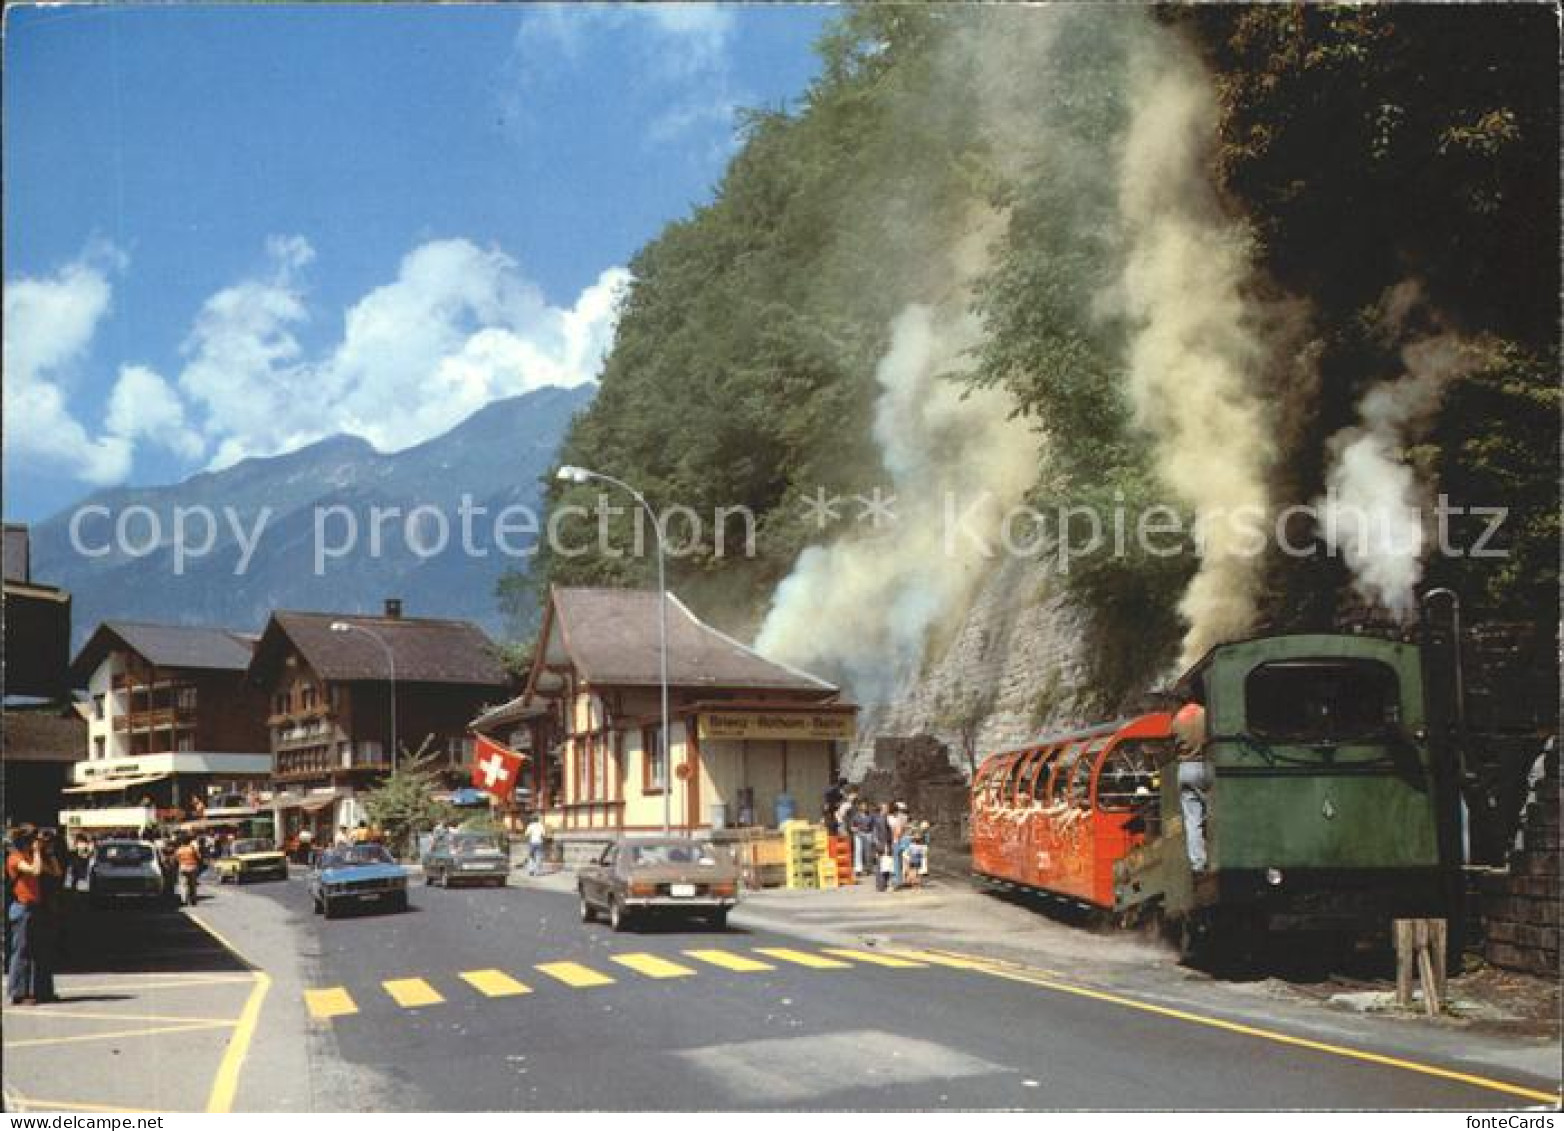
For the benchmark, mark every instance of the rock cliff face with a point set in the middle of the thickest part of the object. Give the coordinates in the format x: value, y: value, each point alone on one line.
x: 1009, y: 671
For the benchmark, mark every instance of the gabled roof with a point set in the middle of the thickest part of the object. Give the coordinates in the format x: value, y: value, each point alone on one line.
x: 425, y: 650
x: 610, y: 636
x: 167, y: 646
x: 512, y: 711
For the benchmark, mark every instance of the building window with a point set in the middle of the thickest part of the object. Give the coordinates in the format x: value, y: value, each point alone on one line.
x: 97, y: 706
x: 185, y: 699
x: 186, y: 743
x: 654, y: 763
x: 98, y: 747
x: 280, y: 703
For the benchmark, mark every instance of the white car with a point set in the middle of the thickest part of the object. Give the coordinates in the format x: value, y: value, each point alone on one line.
x: 124, y: 869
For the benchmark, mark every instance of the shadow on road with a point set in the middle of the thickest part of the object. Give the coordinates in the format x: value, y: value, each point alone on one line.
x: 156, y: 938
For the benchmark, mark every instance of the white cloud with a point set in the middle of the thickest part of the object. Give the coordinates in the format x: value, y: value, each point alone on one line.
x: 458, y: 327
x: 49, y: 326
x: 144, y: 406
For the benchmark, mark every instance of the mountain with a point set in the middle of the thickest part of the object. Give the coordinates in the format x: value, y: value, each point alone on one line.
x: 305, y: 505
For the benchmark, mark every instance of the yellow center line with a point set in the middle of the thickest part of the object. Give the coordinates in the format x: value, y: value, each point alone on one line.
x: 1344, y: 1051
x: 802, y: 958
x: 652, y: 966
x: 494, y: 983
x: 574, y: 974
x: 411, y: 993
x: 730, y: 961
x: 326, y: 1004
x: 875, y: 958
x: 116, y: 1033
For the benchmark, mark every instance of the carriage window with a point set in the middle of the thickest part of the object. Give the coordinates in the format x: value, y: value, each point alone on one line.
x: 1026, y: 770
x: 1081, y: 773
x: 1129, y: 774
x: 1321, y: 700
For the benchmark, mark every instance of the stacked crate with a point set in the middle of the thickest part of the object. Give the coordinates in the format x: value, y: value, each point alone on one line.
x: 802, y: 845
x: 841, y: 851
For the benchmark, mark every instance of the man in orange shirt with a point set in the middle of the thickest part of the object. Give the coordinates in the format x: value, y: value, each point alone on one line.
x: 30, y: 977
x: 188, y: 857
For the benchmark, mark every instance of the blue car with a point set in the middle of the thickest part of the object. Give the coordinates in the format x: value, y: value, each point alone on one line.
x: 360, y: 874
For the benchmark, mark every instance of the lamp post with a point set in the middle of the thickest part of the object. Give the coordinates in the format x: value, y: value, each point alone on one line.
x: 571, y: 474
x: 344, y: 626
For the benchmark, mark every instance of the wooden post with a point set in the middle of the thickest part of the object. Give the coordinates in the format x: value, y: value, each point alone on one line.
x: 1420, y: 948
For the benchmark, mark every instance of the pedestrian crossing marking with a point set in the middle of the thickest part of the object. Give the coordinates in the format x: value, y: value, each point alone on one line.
x: 574, y: 974
x: 729, y: 961
x: 494, y: 983
x: 653, y: 966
x: 326, y: 1004
x: 802, y: 958
x: 412, y: 992
x: 876, y: 959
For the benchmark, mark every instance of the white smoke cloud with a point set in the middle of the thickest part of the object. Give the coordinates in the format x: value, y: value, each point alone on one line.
x: 50, y: 323
x: 1375, y: 507
x: 863, y: 607
x: 1196, y: 347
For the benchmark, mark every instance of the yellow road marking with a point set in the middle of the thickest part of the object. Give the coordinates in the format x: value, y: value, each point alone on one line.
x: 410, y: 993
x: 60, y: 1015
x: 730, y: 961
x: 226, y: 1084
x: 113, y: 1033
x: 955, y: 962
x: 494, y: 983
x: 874, y: 958
x: 802, y: 958
x: 33, y: 1103
x: 574, y: 974
x: 68, y: 992
x: 1344, y: 1051
x: 653, y: 966
x: 326, y: 1004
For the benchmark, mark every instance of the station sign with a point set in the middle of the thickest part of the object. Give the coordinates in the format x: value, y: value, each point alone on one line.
x: 788, y: 725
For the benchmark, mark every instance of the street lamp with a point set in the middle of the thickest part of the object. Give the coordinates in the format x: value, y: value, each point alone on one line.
x: 344, y: 626
x: 572, y: 474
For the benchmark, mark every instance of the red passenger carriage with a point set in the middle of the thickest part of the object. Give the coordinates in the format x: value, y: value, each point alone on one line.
x: 1057, y: 815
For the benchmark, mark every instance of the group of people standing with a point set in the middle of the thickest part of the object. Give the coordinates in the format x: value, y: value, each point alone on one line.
x: 887, y: 842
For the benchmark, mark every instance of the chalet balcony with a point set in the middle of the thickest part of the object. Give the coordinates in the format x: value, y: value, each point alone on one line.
x: 160, y: 718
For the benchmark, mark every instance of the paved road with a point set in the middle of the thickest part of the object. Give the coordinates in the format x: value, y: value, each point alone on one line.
x: 503, y: 1000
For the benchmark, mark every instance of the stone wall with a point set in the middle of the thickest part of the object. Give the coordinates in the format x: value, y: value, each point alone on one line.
x: 1520, y: 907
x: 919, y: 771
x: 1016, y: 652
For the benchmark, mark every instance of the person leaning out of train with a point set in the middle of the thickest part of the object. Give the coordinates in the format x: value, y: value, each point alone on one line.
x: 1194, y: 779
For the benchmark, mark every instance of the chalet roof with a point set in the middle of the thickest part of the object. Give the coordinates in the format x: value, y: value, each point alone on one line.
x: 425, y: 650
x: 167, y: 646
x: 46, y: 734
x: 524, y: 706
x: 611, y: 637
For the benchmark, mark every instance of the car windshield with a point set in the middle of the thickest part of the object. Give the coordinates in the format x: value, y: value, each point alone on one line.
x: 471, y: 845
x: 243, y: 846
x: 124, y: 853
x: 358, y: 854
x: 652, y: 855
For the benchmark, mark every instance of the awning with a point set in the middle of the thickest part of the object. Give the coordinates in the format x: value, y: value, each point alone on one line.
x: 108, y: 784
x: 316, y: 804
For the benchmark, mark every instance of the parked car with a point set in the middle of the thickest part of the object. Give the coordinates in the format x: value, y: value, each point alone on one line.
x: 251, y: 860
x: 466, y: 858
x: 124, y: 869
x: 666, y: 875
x: 358, y: 874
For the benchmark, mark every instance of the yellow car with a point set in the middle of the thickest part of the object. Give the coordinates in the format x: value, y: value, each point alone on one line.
x: 251, y: 860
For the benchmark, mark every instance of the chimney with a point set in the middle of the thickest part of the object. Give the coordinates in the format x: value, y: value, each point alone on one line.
x: 393, y: 608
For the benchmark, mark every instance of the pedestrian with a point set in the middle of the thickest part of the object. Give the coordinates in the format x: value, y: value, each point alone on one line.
x: 880, y: 844
x: 306, y: 846
x: 536, y: 833
x: 917, y: 854
x: 360, y: 834
x: 343, y: 840
x: 844, y: 814
x: 29, y: 867
x: 861, y: 825
x: 81, y: 857
x: 901, y: 825
x: 188, y: 858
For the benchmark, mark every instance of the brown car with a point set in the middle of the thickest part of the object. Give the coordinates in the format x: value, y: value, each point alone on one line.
x: 672, y: 875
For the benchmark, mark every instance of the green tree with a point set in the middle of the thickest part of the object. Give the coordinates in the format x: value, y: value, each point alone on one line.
x: 404, y: 804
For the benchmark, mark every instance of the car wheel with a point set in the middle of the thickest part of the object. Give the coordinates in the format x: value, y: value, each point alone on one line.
x: 399, y: 901
x: 428, y: 877
x: 316, y: 906
x: 588, y: 912
x: 618, y: 917
x: 327, y: 909
x: 719, y: 919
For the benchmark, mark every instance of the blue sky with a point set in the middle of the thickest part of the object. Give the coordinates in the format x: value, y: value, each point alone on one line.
x: 230, y: 231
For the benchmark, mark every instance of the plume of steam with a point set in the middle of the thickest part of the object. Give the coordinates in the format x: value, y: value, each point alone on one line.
x: 862, y: 607
x: 1197, y: 342
x: 1374, y: 510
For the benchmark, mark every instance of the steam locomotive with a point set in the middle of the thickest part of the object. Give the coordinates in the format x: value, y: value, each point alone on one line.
x: 1309, y: 800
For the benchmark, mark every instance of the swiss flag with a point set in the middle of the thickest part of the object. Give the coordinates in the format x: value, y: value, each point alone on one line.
x: 495, y: 768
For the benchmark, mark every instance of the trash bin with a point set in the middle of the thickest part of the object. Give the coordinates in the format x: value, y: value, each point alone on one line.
x: 785, y: 808
x: 719, y: 815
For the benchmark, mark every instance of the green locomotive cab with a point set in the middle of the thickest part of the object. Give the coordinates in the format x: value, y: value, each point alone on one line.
x: 1310, y: 801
